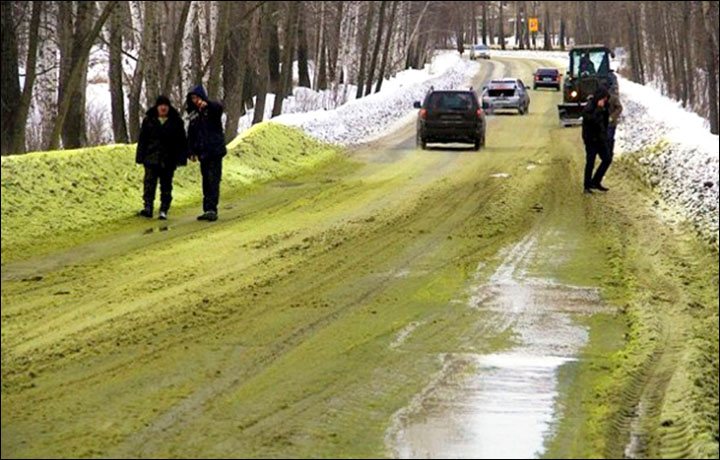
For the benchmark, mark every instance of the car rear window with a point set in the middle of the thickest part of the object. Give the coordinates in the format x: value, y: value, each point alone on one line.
x: 501, y: 92
x: 547, y: 72
x: 451, y: 101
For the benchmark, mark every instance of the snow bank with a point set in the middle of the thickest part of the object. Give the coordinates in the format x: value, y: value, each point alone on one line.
x: 360, y: 120
x: 678, y: 154
x: 530, y: 54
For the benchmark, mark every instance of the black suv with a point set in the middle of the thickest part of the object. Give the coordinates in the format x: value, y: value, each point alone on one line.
x: 450, y: 116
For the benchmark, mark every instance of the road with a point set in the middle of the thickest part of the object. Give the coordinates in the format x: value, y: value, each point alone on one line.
x: 364, y: 308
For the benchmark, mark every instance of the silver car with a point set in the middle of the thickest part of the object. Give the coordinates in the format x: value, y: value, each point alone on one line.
x: 479, y: 52
x: 507, y: 93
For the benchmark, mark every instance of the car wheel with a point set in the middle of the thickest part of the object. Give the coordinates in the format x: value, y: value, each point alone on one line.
x: 420, y: 142
x: 478, y: 144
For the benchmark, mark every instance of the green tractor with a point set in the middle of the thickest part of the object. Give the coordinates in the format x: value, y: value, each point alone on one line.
x: 589, y: 69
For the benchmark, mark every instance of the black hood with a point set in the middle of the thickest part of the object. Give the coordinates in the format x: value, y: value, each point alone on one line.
x: 198, y: 91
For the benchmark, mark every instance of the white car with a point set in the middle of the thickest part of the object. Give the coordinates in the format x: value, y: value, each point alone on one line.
x: 479, y: 51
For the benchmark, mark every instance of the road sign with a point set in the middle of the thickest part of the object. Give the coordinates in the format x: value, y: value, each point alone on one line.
x: 533, y: 24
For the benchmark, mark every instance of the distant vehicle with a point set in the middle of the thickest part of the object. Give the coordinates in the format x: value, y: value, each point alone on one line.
x: 507, y: 93
x: 547, y: 78
x: 589, y: 69
x: 479, y: 52
x: 450, y: 116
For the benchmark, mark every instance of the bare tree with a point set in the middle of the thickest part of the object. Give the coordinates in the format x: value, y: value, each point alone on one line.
x: 364, y: 49
x: 85, y: 41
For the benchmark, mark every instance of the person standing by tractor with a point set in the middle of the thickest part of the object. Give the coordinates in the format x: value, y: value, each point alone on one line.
x: 595, y: 136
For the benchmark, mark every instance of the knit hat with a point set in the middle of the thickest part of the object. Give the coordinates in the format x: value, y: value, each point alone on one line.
x: 162, y: 100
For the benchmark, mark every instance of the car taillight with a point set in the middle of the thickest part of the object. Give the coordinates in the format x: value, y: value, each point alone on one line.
x: 558, y: 78
x: 479, y: 113
x: 537, y: 78
x: 423, y: 113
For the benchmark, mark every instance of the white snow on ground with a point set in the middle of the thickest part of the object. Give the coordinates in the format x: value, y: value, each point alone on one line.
x: 529, y: 54
x: 361, y: 120
x: 678, y: 154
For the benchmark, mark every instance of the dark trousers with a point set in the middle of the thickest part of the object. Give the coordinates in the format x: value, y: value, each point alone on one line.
x: 592, y: 150
x: 165, y: 176
x: 211, y: 169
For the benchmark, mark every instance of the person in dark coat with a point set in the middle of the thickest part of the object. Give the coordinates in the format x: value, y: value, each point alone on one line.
x: 207, y: 143
x: 595, y: 135
x: 161, y: 148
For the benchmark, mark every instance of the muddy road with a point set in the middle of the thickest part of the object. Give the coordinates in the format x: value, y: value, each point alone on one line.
x: 394, y: 302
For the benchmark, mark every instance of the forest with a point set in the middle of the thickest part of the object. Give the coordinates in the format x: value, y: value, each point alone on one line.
x: 243, y: 51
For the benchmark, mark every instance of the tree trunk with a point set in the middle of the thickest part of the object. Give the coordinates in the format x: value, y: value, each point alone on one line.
x: 711, y: 68
x: 75, y: 77
x: 386, y: 49
x: 73, y: 129
x: 216, y: 59
x: 376, y: 49
x: 151, y: 41
x: 263, y: 65
x: 117, y: 96
x: 322, y: 81
x: 234, y: 69
x: 290, y: 33
x: 274, y: 55
x: 501, y: 24
x: 10, y: 77
x: 364, y: 49
x: 175, y: 47
x: 334, y: 49
x: 197, y: 60
x: 302, y: 51
x: 547, y: 45
x: 484, y: 23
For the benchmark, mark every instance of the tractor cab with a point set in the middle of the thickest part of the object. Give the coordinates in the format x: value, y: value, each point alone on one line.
x: 589, y: 69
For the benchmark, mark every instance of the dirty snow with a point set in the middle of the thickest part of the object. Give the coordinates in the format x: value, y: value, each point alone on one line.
x: 678, y: 154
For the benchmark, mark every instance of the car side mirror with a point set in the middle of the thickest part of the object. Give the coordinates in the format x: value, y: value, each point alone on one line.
x: 416, y: 104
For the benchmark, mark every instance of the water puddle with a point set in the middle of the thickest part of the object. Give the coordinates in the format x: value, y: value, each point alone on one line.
x: 501, y: 405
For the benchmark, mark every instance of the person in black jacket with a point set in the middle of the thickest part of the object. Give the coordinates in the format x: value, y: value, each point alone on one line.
x: 595, y: 136
x: 207, y: 143
x: 161, y: 148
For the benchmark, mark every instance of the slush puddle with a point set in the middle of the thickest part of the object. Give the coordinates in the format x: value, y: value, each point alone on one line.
x: 501, y: 405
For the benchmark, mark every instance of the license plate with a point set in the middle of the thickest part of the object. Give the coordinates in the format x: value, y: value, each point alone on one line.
x: 547, y: 79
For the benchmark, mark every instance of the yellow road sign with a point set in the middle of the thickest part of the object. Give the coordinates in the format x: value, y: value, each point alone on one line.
x: 533, y: 24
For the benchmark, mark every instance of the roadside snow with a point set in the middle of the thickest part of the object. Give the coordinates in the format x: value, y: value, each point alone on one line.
x: 678, y: 154
x: 363, y: 119
x: 530, y: 54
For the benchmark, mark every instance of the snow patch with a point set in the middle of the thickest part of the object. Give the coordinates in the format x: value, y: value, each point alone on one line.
x: 679, y: 156
x: 364, y: 119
